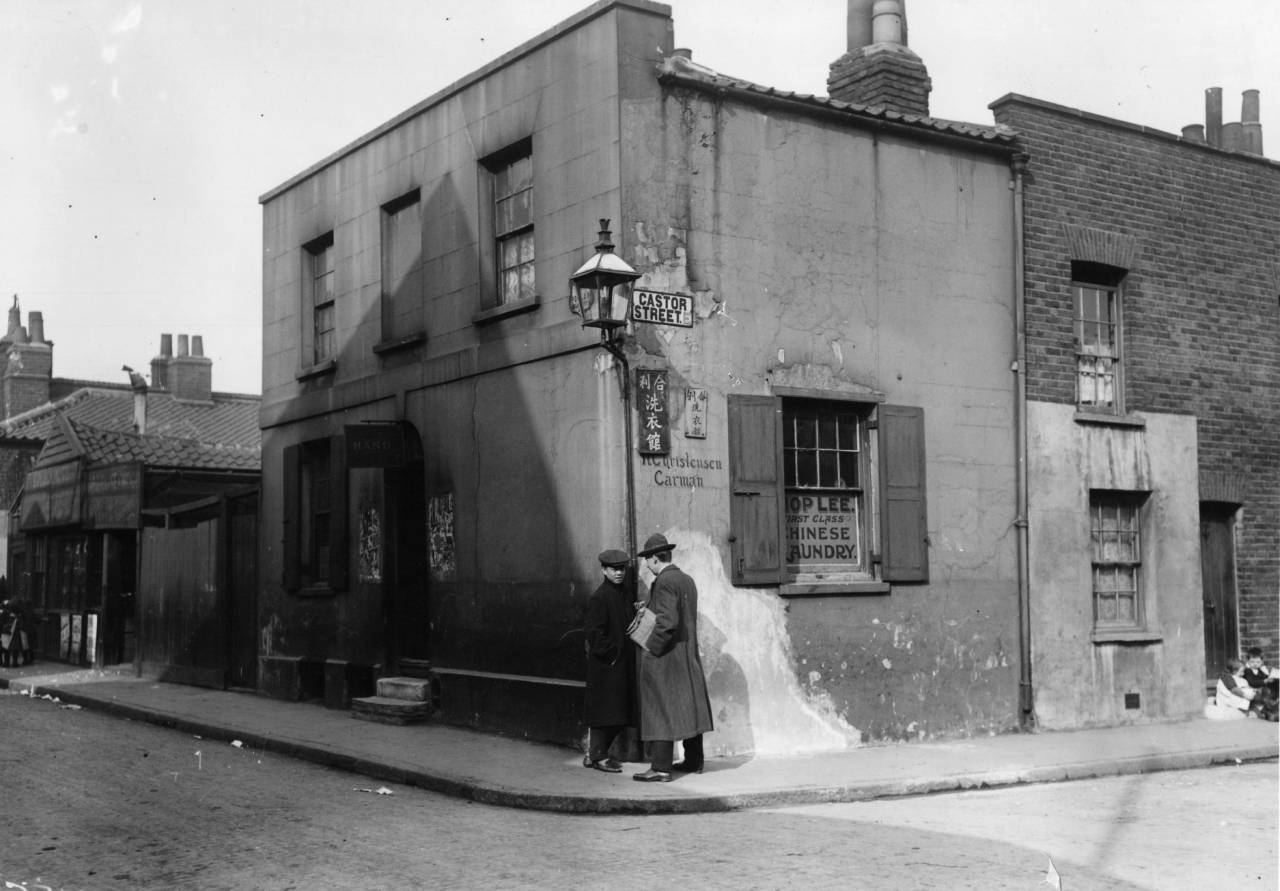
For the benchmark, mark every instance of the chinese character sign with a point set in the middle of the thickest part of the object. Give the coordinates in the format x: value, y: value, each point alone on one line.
x: 695, y: 412
x: 651, y: 404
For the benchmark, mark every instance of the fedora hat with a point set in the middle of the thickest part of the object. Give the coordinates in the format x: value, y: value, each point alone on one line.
x: 655, y: 544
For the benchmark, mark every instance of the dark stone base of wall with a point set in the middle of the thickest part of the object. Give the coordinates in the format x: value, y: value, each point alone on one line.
x: 531, y: 709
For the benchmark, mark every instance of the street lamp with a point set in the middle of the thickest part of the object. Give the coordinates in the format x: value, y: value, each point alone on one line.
x: 601, y: 295
x: 601, y: 289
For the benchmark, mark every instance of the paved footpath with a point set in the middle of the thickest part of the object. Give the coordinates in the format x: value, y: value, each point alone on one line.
x: 516, y: 773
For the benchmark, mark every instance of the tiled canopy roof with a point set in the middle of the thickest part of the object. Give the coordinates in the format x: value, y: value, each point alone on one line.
x: 227, y: 420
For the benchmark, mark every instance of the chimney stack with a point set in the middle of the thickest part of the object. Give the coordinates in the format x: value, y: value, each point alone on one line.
x: 160, y: 364
x: 190, y: 375
x: 27, y: 364
x: 878, y: 69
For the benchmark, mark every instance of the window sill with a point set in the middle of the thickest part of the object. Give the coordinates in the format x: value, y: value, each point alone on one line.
x: 1130, y: 636
x: 833, y: 589
x: 314, y: 591
x: 1091, y: 417
x: 409, y: 341
x: 328, y: 366
x: 505, y: 310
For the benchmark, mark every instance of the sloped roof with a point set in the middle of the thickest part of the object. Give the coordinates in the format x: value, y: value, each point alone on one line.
x: 681, y: 70
x: 97, y: 446
x: 227, y: 420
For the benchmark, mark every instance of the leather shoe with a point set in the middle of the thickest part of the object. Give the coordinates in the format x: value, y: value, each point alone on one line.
x: 686, y: 767
x: 652, y: 776
x: 608, y: 765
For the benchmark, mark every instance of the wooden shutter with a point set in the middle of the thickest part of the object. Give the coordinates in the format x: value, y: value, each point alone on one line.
x: 338, y: 544
x: 292, y: 479
x: 755, y: 482
x: 904, y: 537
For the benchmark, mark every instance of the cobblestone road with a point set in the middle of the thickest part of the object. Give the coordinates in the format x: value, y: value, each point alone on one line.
x: 97, y: 802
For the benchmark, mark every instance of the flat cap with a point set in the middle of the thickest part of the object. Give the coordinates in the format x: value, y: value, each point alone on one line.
x: 614, y: 557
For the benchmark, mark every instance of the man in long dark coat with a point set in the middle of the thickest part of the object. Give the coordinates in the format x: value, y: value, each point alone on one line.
x: 673, y: 689
x: 611, y: 662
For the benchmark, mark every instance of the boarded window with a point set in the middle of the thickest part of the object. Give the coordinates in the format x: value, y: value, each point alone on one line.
x: 403, y: 279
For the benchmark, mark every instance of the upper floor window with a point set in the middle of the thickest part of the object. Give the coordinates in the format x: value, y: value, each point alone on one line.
x: 318, y: 282
x: 809, y: 502
x: 403, y: 278
x: 508, y: 206
x: 1098, y: 337
x: 1116, y: 544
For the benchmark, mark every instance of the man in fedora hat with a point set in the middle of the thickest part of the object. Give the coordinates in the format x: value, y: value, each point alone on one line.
x: 611, y: 662
x: 673, y: 689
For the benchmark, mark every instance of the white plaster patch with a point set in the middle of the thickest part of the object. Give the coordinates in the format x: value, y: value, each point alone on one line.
x: 887, y: 664
x: 761, y: 707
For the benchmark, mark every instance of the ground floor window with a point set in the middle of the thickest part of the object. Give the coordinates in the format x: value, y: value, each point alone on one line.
x: 1116, y: 543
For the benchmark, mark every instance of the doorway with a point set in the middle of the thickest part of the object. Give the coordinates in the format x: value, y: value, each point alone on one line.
x: 1218, y: 577
x: 408, y: 616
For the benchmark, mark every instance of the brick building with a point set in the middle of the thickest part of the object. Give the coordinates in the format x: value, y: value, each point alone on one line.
x: 1152, y: 281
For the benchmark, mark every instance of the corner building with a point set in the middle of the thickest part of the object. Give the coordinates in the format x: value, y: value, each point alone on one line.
x: 824, y: 409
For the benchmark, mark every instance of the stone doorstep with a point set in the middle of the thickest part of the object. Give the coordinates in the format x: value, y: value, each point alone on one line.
x: 407, y: 689
x: 385, y: 710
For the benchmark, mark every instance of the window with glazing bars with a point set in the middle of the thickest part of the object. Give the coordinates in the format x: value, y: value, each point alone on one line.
x: 321, y: 292
x: 1117, y: 559
x: 513, y: 229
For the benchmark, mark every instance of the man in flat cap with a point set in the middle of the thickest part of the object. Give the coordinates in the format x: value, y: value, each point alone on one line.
x: 611, y: 662
x: 673, y: 689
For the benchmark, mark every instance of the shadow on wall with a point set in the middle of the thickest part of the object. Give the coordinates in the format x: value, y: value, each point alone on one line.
x: 756, y: 699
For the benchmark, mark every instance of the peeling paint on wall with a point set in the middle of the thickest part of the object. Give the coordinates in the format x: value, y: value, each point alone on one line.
x: 757, y: 701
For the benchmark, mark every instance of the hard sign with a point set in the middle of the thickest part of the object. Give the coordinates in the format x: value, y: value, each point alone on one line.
x: 658, y: 308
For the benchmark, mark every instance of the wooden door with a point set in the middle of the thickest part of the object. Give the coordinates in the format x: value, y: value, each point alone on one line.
x: 1218, y: 576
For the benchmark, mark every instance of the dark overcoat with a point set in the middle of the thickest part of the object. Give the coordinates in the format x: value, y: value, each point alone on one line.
x: 673, y: 689
x: 611, y: 660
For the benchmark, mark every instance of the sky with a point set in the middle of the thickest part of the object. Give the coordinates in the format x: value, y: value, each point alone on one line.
x: 138, y: 136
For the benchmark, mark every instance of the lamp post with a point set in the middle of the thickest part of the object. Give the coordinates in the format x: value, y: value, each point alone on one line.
x: 601, y: 295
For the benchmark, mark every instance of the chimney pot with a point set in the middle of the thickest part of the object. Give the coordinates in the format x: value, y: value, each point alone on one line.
x: 1232, y: 137
x: 1249, y: 107
x: 886, y: 22
x: 1213, y: 116
x: 1193, y: 133
x: 35, y: 320
x: 166, y: 345
x: 683, y: 53
x: 197, y: 345
x: 858, y: 25
x: 182, y: 345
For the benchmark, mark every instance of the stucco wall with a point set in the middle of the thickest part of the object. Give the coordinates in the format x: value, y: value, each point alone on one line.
x: 831, y: 257
x: 1080, y: 681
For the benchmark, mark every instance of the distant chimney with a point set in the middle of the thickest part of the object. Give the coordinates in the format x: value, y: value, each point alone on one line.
x: 1232, y: 137
x: 878, y: 69
x: 191, y: 376
x: 160, y: 364
x: 139, y: 386
x: 27, y: 364
x: 1213, y: 116
x: 1251, y: 123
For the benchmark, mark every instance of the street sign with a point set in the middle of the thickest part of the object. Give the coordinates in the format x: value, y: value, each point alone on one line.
x: 658, y: 308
